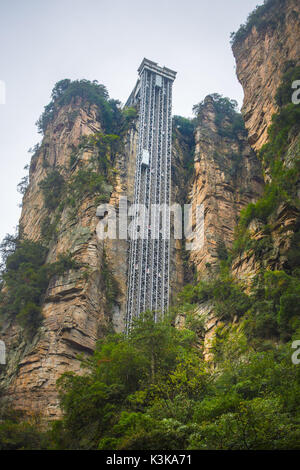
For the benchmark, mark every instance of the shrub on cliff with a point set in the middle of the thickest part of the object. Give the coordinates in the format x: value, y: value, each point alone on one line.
x: 52, y: 187
x: 268, y: 15
x: 291, y: 74
x: 66, y: 91
x: 25, y: 278
x: 228, y: 120
x: 19, y: 433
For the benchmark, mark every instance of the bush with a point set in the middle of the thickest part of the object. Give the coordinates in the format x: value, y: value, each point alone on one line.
x: 284, y: 92
x: 268, y: 15
x: 52, y: 187
x: 228, y: 121
x: 152, y: 390
x: 23, y: 185
x: 65, y: 91
x: 185, y: 126
x: 17, y: 433
x: 87, y: 182
x: 227, y: 296
x: 26, y: 277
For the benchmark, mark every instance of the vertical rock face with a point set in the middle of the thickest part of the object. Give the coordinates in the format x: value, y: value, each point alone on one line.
x: 260, y: 62
x: 75, y: 306
x: 227, y: 177
x: 262, y: 57
x: 78, y: 307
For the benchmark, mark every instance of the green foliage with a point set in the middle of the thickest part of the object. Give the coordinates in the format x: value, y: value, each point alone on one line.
x: 67, y: 91
x: 110, y: 283
x: 23, y: 185
x: 90, y: 180
x: 52, y: 187
x: 120, y: 376
x: 228, y: 121
x: 183, y: 137
x: 270, y: 307
x: 106, y: 146
x: 284, y: 291
x: 152, y: 390
x: 87, y: 182
x: 25, y: 278
x: 284, y: 92
x: 284, y: 124
x: 227, y: 296
x: 268, y: 15
x: 48, y: 229
x: 18, y: 434
x: 185, y: 126
x: 222, y: 251
x: 114, y: 120
x: 293, y: 255
x: 129, y: 118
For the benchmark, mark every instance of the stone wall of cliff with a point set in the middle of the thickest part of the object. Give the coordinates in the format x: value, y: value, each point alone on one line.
x: 216, y: 167
x: 227, y: 176
x: 76, y: 310
x: 83, y: 304
x: 263, y: 57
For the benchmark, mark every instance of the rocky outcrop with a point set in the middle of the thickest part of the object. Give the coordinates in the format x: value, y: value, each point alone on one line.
x: 261, y: 58
x: 75, y: 305
x: 227, y: 177
x: 77, y: 308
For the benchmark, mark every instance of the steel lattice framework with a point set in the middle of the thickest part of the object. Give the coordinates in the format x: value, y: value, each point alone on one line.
x: 149, y: 256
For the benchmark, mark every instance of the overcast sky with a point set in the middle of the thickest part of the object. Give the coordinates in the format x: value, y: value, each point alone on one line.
x: 44, y: 41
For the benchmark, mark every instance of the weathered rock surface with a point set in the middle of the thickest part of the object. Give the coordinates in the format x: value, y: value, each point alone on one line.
x: 227, y: 177
x: 261, y: 60
x: 75, y: 306
x: 75, y: 309
x: 260, y: 63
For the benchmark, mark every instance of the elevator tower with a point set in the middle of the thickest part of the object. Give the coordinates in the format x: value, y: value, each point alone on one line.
x: 149, y: 255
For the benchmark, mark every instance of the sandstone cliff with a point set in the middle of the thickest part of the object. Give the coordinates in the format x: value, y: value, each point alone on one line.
x: 83, y: 304
x: 75, y: 308
x: 227, y: 177
x: 263, y: 55
x: 216, y: 168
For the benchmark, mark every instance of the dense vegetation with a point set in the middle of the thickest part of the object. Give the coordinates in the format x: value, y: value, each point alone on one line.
x: 184, y: 137
x: 113, y: 119
x: 185, y: 126
x: 152, y: 390
x: 24, y: 279
x: 261, y: 19
x: 52, y: 187
x: 228, y: 120
x: 66, y: 91
x: 280, y: 159
x: 291, y: 74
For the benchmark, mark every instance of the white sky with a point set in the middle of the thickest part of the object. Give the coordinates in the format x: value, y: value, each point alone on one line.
x: 44, y: 41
